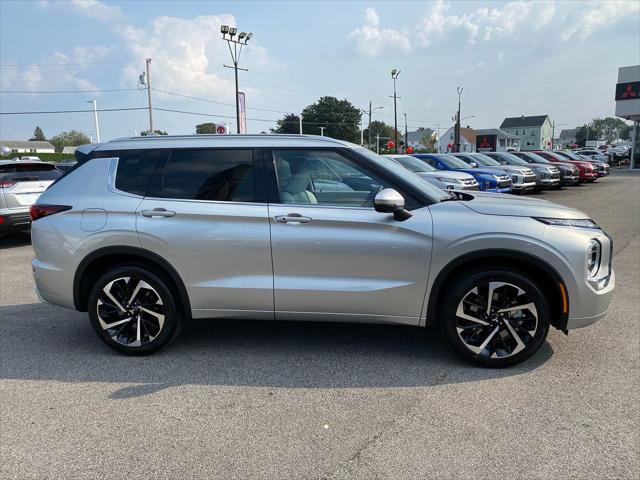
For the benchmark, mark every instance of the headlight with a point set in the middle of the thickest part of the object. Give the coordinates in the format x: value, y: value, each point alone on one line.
x: 594, y: 255
x: 447, y: 179
x: 568, y: 222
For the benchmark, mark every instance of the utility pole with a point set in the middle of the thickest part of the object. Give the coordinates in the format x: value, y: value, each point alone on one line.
x: 95, y: 117
x: 322, y: 131
x: 361, y: 132
x: 553, y: 134
x: 377, y: 143
x: 241, y: 41
x: 438, y: 129
x: 149, y: 96
x: 406, y: 134
x: 394, y: 75
x: 300, y: 123
x: 456, y: 135
x: 371, y: 110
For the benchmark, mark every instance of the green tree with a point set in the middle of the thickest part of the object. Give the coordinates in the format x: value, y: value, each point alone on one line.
x: 429, y: 140
x: 341, y: 118
x: 144, y: 133
x: 205, y: 128
x: 72, y: 138
x: 290, y: 123
x: 607, y: 129
x: 385, y: 131
x: 38, y: 135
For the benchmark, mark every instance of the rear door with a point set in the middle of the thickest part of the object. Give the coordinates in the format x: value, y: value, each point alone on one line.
x: 22, y: 183
x: 206, y: 213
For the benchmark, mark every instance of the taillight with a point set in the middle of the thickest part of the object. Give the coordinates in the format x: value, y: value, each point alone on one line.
x: 7, y: 183
x: 38, y: 211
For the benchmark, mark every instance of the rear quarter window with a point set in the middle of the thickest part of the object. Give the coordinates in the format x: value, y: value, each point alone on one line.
x: 135, y: 169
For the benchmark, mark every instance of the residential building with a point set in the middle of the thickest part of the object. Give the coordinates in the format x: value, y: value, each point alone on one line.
x: 414, y: 139
x: 29, y: 146
x: 533, y: 133
x: 71, y: 150
x: 567, y: 137
x: 495, y: 140
x: 446, y: 142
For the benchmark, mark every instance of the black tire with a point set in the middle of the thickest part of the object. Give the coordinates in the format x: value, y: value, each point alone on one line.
x: 124, y: 338
x: 519, y: 322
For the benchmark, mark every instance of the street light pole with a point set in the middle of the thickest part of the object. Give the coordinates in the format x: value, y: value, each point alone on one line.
x: 149, y: 96
x: 228, y: 34
x: 457, y: 128
x: 322, y: 131
x: 406, y: 134
x: 95, y: 118
x: 394, y: 75
x: 377, y: 143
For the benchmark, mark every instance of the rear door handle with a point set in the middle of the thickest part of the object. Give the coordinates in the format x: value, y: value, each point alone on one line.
x: 292, y: 218
x: 158, y: 213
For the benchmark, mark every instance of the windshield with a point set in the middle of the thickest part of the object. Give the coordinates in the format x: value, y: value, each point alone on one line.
x: 453, y: 162
x: 413, y: 164
x: 570, y: 155
x: 410, y: 177
x: 485, y: 161
x: 532, y: 157
x: 512, y: 159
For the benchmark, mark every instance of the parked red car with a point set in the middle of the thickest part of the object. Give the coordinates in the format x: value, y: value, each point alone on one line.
x: 588, y: 171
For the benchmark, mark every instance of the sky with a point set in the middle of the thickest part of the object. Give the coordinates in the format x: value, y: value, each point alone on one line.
x: 511, y: 58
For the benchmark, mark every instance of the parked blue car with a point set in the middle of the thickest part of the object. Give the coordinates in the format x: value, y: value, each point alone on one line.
x: 489, y: 179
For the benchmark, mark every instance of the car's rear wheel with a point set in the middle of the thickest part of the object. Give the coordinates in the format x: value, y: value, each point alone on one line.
x: 495, y: 317
x: 133, y: 310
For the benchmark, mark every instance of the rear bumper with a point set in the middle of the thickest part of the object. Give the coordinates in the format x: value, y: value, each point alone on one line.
x: 11, y: 221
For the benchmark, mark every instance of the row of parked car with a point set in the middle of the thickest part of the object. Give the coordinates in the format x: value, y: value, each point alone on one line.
x: 504, y: 172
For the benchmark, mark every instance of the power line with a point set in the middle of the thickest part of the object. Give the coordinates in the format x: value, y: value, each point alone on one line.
x: 73, y: 111
x: 71, y: 91
x: 66, y: 64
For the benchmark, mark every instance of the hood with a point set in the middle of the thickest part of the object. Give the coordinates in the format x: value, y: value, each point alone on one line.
x: 543, y: 166
x: 447, y: 173
x: 500, y: 204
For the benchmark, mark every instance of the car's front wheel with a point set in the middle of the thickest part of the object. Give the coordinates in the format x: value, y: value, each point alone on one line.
x: 133, y: 310
x: 495, y: 317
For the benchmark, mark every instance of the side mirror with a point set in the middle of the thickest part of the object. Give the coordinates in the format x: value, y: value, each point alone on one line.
x: 390, y: 201
x: 5, y: 151
x: 503, y: 162
x: 473, y: 164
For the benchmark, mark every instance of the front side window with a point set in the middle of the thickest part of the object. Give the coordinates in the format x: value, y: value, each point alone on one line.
x: 324, y: 177
x: 214, y: 175
x: 452, y: 162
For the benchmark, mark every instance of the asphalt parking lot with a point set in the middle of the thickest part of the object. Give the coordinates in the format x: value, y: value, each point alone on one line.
x: 243, y: 399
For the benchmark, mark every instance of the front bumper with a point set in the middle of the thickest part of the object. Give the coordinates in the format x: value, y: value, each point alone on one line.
x: 588, y: 177
x: 549, y: 182
x: 570, y: 179
x: 521, y: 187
x: 498, y: 190
x: 13, y: 221
x: 598, y: 301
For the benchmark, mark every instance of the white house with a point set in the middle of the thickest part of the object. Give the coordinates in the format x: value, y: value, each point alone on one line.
x: 414, y: 139
x: 446, y: 141
x: 29, y: 146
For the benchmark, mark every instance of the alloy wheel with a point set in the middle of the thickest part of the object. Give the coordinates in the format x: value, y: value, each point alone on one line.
x: 130, y: 311
x: 496, y: 320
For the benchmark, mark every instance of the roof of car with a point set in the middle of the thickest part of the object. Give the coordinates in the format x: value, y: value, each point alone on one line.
x: 233, y: 141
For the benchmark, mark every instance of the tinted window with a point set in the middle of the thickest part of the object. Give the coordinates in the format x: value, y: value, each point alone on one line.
x: 135, y: 168
x: 220, y: 175
x: 414, y: 164
x: 453, y: 162
x: 324, y: 177
x: 29, y: 172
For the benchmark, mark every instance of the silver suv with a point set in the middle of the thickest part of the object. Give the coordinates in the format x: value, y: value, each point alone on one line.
x: 146, y: 233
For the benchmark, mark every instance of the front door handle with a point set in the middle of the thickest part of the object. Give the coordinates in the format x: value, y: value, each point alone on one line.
x: 158, y: 213
x: 292, y: 218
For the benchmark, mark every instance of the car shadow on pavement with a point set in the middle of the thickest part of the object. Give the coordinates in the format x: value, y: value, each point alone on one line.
x: 41, y: 342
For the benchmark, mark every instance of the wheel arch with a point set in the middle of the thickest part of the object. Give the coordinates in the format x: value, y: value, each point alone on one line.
x: 545, y: 275
x: 99, y: 261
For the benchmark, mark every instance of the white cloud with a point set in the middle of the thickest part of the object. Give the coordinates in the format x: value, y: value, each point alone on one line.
x: 370, y: 40
x: 467, y: 70
x: 96, y: 9
x: 594, y: 15
x: 523, y: 20
x: 188, y: 54
x: 49, y: 77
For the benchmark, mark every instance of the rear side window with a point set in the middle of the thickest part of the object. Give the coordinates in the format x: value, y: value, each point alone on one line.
x: 135, y: 168
x: 29, y: 172
x: 216, y: 175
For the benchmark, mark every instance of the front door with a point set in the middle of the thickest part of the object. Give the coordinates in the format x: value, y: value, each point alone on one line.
x: 334, y: 256
x: 206, y: 213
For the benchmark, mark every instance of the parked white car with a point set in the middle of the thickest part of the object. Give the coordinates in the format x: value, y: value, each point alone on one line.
x: 445, y: 180
x: 593, y: 154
